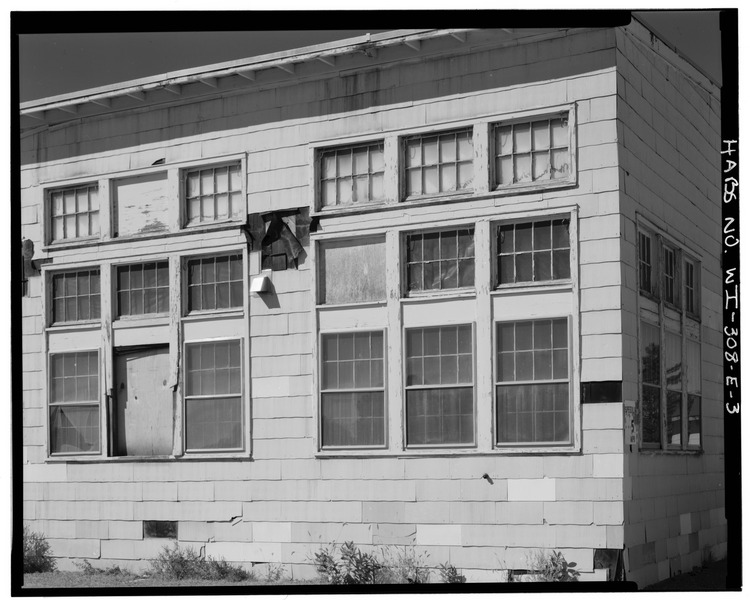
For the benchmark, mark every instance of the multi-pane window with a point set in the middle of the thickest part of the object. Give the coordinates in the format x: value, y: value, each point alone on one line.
x: 691, y: 288
x: 531, y: 151
x: 76, y: 296
x: 645, y: 265
x: 674, y: 381
x: 533, y: 404
x: 352, y: 389
x: 213, y: 194
x: 651, y: 385
x: 439, y: 163
x: 352, y: 175
x: 693, y: 389
x: 213, y: 396
x: 439, y: 386
x: 215, y: 282
x: 74, y: 402
x: 538, y: 251
x: 671, y: 289
x: 440, y: 260
x: 143, y: 288
x: 74, y: 212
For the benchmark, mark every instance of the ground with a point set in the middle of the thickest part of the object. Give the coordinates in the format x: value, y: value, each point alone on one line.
x: 711, y: 577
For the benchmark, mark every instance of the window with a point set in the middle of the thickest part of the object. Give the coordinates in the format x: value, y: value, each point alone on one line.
x: 645, y: 265
x: 143, y: 289
x: 692, y: 296
x: 650, y: 385
x: 440, y: 260
x: 671, y: 287
x: 439, y: 386
x: 215, y: 283
x: 75, y: 296
x: 74, y: 212
x: 213, y: 194
x: 530, y: 252
x: 673, y: 381
x: 533, y: 404
x: 352, y: 389
x: 213, y: 396
x: 439, y: 163
x: 74, y: 402
x: 693, y: 389
x: 351, y: 271
x: 527, y: 152
x: 352, y: 175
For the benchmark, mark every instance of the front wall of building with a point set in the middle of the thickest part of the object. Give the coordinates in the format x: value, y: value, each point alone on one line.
x: 281, y: 483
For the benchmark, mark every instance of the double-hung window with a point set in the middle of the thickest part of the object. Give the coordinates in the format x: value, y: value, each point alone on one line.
x: 439, y: 163
x: 213, y: 194
x: 73, y: 212
x: 76, y: 296
x: 645, y: 262
x: 74, y: 402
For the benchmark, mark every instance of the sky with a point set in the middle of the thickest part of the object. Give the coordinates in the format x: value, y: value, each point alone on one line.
x: 57, y: 63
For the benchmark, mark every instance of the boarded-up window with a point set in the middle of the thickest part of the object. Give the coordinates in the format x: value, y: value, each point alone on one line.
x: 143, y: 289
x: 141, y: 204
x: 352, y: 175
x: 352, y: 271
x: 352, y: 389
x: 76, y: 296
x: 538, y: 251
x: 213, y: 396
x: 74, y: 212
x: 439, y: 163
x: 531, y: 151
x: 213, y: 194
x: 440, y: 260
x: 533, y: 404
x: 74, y: 402
x: 215, y: 282
x: 143, y: 411
x: 439, y: 386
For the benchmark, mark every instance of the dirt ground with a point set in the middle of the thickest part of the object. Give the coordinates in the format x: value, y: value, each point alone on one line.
x: 712, y: 577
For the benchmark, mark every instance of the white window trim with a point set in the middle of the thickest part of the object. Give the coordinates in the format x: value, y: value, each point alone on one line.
x: 48, y: 273
x: 103, y: 194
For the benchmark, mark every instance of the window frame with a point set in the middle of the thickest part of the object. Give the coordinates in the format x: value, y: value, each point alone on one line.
x: 322, y: 151
x: 98, y: 403
x: 49, y: 217
x: 185, y: 260
x: 696, y: 290
x: 320, y: 391
x: 666, y: 248
x: 654, y: 264
x: 52, y: 320
x: 193, y: 166
x: 242, y: 449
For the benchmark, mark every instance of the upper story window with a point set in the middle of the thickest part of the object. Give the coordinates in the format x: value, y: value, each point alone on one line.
x: 645, y: 262
x: 352, y: 175
x: 533, y: 251
x: 215, y: 283
x: 74, y: 212
x: 213, y: 194
x: 670, y: 282
x: 440, y: 260
x: 439, y: 163
x: 143, y: 289
x: 76, y: 296
x: 531, y: 151
x: 692, y: 306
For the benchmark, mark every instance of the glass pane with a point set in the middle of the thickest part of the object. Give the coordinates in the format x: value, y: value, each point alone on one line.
x: 192, y: 185
x: 523, y: 233
x: 561, y: 264
x: 222, y: 206
x: 559, y: 364
x: 560, y: 164
x: 694, y: 420
x: 542, y: 266
x: 376, y: 159
x: 542, y: 235
x: 674, y: 418
x: 523, y: 267
x: 74, y: 429
x: 440, y: 416
x: 353, y: 419
x: 542, y: 335
x: 447, y: 178
x: 235, y: 181
x: 542, y: 365
x: 465, y: 175
x: 503, y: 140
x: 377, y: 192
x: 522, y: 137
x: 213, y: 423
x: 344, y: 190
x: 447, y: 149
x: 540, y: 135
x: 465, y: 146
x: 430, y: 180
x: 693, y: 370
x: 540, y: 166
x: 650, y: 414
x: 328, y: 193
x: 650, y: 353
x: 431, y: 246
x: 361, y: 191
x: 207, y: 182
x: 352, y: 271
x: 413, y: 152
x: 524, y: 366
x: 430, y: 151
x: 674, y: 361
x: 466, y: 273
x: 560, y: 236
x: 414, y: 182
x: 506, y: 274
x: 559, y: 133
x: 522, y: 171
x: 504, y: 170
x: 328, y: 166
x: 222, y: 180
x: 361, y: 161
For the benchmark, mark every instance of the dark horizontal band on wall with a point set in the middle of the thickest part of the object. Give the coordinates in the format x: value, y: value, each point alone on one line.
x: 593, y: 392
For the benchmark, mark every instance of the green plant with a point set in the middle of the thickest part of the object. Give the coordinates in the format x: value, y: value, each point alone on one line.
x: 403, y: 565
x: 449, y: 574
x: 88, y: 569
x: 353, y: 566
x: 37, y: 556
x: 553, y: 567
x: 274, y: 572
x: 175, y: 562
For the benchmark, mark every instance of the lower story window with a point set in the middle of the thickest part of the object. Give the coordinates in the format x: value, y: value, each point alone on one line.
x: 213, y: 396
x: 352, y: 389
x: 533, y: 402
x: 439, y: 386
x: 74, y: 403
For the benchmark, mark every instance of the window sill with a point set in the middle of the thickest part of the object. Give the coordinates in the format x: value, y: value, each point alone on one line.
x: 532, y: 287
x: 370, y: 304
x: 95, y: 458
x: 431, y: 296
x: 230, y: 313
x: 74, y: 326
x: 412, y: 453
x: 671, y: 452
x: 72, y: 243
x: 140, y: 321
x: 530, y: 188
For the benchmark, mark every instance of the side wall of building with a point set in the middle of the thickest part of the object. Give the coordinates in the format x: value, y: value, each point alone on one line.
x: 669, y: 127
x: 287, y: 501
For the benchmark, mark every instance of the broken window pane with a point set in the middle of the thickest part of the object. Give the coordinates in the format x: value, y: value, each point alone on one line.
x: 440, y: 260
x: 439, y: 163
x: 352, y: 174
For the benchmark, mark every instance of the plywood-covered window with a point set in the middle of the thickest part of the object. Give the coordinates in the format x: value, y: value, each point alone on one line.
x: 439, y: 386
x: 213, y: 396
x: 351, y: 271
x: 533, y: 251
x: 352, y: 175
x: 533, y: 391
x: 73, y: 212
x: 440, y: 260
x: 76, y: 296
x: 213, y: 194
x: 74, y: 402
x: 439, y: 163
x: 215, y: 283
x: 143, y: 289
x: 531, y: 151
x: 353, y: 389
